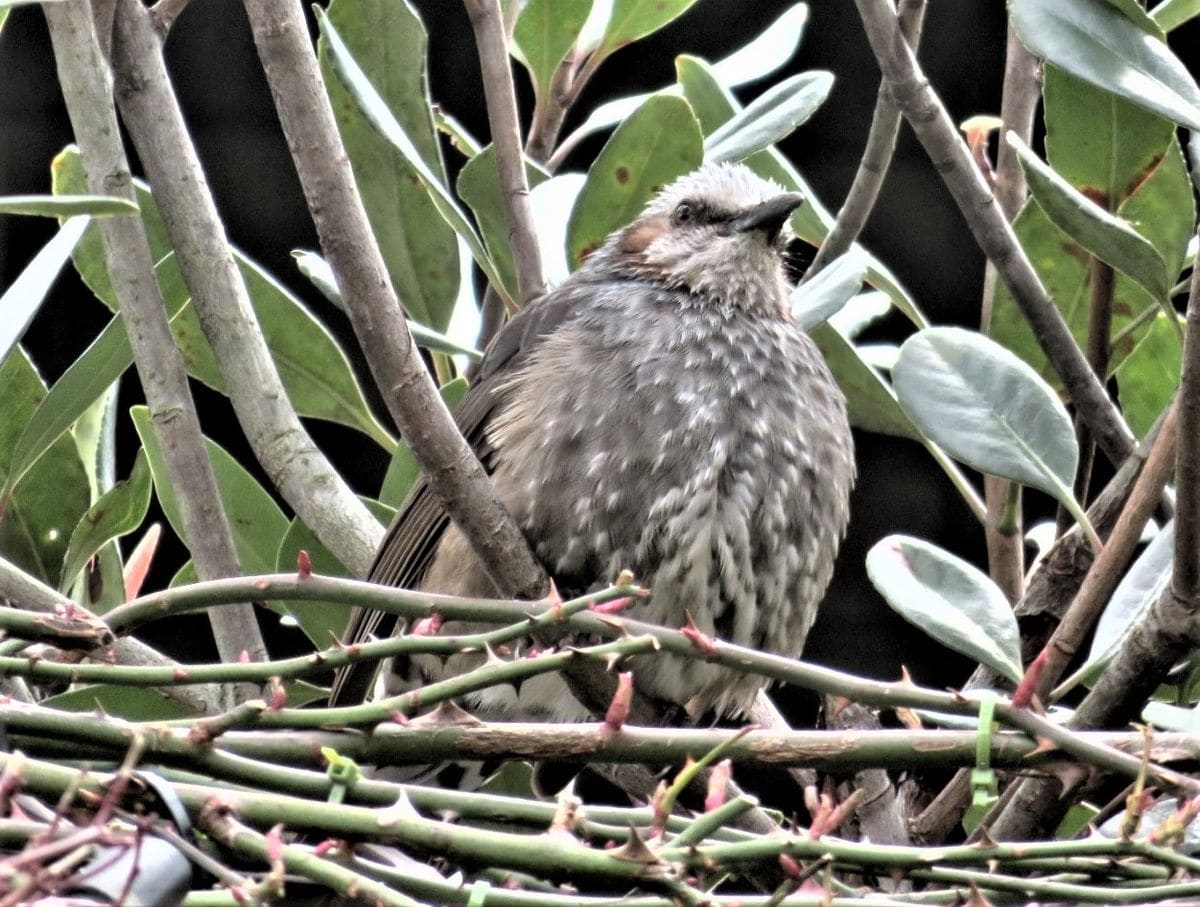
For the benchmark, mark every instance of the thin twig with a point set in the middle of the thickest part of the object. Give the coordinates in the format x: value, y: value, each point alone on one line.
x: 1110, y: 565
x: 488, y: 23
x: 876, y: 159
x: 454, y: 473
x: 928, y: 118
x: 84, y: 76
x: 297, y: 468
x: 1004, y: 530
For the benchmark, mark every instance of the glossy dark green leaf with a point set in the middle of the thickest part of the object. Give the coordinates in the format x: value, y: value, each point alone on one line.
x: 131, y: 703
x: 36, y: 518
x: 1149, y: 376
x: 949, y: 599
x: 771, y: 116
x: 1104, y: 235
x: 546, y: 31
x: 988, y: 409
x: 479, y: 186
x: 322, y: 622
x: 66, y: 205
x: 817, y: 300
x: 119, y: 511
x: 659, y: 142
x: 254, y: 518
x: 631, y: 20
x: 1114, y: 49
x: 380, y: 117
x: 403, y: 469
x: 387, y: 40
x: 23, y: 298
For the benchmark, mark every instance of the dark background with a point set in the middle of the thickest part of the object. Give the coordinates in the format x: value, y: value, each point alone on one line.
x: 916, y: 229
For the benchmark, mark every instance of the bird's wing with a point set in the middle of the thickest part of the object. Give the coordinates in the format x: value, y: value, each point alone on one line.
x: 411, y: 540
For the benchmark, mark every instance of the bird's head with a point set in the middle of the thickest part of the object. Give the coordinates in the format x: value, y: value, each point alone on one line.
x: 719, y: 233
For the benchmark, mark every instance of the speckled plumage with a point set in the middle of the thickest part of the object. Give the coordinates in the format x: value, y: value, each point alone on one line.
x: 659, y: 412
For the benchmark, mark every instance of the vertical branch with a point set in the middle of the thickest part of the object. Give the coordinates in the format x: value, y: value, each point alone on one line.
x: 928, y: 118
x: 494, y: 64
x: 876, y: 159
x: 298, y: 469
x: 454, y: 473
x: 83, y: 74
x: 1004, y: 530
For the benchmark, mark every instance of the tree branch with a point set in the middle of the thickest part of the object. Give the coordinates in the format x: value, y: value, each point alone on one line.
x: 84, y: 77
x: 876, y: 159
x: 490, y: 39
x: 346, y: 238
x: 951, y: 157
x: 309, y: 484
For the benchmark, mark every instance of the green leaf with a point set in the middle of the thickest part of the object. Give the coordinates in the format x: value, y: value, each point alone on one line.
x: 1161, y: 210
x: 1104, y: 235
x: 66, y: 205
x: 380, y: 117
x: 1111, y: 49
x: 322, y: 622
x: 25, y: 296
x: 989, y: 409
x: 631, y: 20
x: 1149, y: 376
x: 552, y: 203
x: 130, y: 703
x: 387, y: 40
x: 1131, y: 601
x: 479, y: 187
x: 861, y: 312
x: 84, y: 381
x: 36, y: 518
x: 68, y: 178
x: 403, y: 469
x: 819, y: 299
x: 316, y: 269
x: 254, y: 518
x: 1104, y: 146
x: 1170, y: 14
x: 949, y: 599
x: 762, y: 56
x: 316, y: 373
x: 546, y: 31
x: 765, y: 53
x: 119, y: 511
x: 659, y: 142
x: 770, y: 117
x: 870, y: 401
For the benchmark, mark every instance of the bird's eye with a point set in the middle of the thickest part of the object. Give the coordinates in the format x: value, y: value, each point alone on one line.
x: 684, y: 213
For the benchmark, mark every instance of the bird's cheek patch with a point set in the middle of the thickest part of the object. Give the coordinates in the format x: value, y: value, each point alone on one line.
x: 640, y: 235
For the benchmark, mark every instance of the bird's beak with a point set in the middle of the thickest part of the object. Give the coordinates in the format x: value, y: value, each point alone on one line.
x: 768, y: 216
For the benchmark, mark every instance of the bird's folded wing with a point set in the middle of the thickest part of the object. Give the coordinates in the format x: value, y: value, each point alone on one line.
x: 412, y: 539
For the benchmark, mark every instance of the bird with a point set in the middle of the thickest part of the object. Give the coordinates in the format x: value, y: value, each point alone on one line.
x: 658, y: 412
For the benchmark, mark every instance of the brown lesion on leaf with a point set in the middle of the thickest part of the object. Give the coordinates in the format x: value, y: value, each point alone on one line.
x: 622, y: 175
x: 1142, y: 177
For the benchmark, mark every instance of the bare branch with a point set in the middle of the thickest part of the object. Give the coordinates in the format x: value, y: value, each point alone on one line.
x: 876, y: 159
x: 164, y: 13
x: 84, y: 76
x: 309, y: 484
x: 346, y: 238
x: 488, y: 23
x: 928, y: 118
